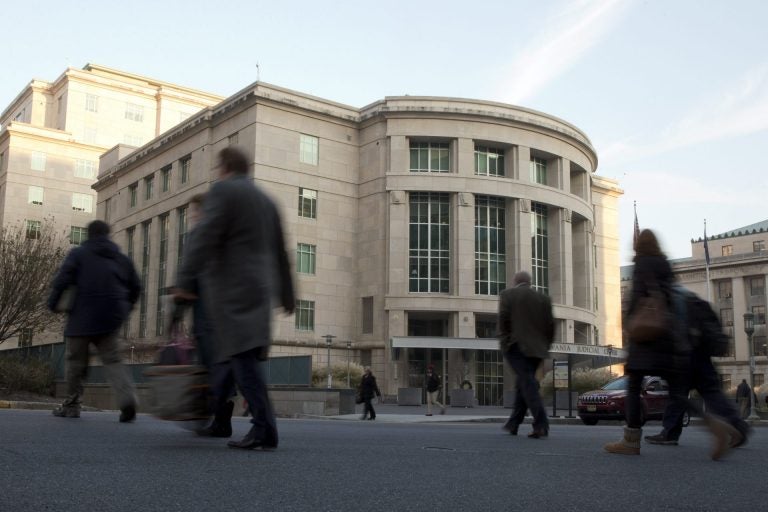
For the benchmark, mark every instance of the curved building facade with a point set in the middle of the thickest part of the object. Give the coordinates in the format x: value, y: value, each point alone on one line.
x: 407, y: 216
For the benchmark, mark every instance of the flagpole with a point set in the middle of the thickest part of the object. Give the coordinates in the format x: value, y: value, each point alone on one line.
x: 706, y: 262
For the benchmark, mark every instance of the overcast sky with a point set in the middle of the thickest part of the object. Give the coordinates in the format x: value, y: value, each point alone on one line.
x: 673, y: 94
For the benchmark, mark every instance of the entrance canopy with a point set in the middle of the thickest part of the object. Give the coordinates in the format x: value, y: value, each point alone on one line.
x: 575, y: 349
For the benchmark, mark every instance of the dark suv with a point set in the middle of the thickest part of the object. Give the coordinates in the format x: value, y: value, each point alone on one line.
x: 607, y: 403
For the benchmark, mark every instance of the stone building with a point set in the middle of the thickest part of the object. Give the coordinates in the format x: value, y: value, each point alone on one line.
x: 405, y: 218
x: 53, y: 133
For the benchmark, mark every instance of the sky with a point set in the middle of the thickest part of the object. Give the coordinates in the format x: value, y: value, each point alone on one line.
x: 673, y: 94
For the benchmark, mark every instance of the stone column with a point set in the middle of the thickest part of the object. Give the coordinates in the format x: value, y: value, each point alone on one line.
x: 560, y: 256
x: 563, y: 169
x: 399, y: 154
x: 463, y: 253
x: 397, y: 259
x: 465, y: 157
x: 741, y: 348
x: 518, y: 237
x: 523, y: 164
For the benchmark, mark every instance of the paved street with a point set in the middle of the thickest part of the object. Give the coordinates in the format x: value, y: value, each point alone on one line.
x: 96, y: 463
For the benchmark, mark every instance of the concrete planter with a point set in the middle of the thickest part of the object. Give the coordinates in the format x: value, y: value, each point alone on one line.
x: 462, y: 398
x: 409, y: 396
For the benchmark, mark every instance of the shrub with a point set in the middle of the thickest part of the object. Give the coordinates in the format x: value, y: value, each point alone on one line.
x: 31, y: 375
x: 338, y: 376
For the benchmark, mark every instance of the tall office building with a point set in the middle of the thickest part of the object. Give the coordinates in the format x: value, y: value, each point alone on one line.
x: 53, y: 133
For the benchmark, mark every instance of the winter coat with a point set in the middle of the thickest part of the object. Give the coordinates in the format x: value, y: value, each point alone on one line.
x: 526, y: 319
x: 238, y: 253
x: 106, y: 288
x: 433, y: 382
x: 668, y: 353
x: 368, y: 387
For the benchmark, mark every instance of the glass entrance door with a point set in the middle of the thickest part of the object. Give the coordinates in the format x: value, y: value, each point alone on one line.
x: 489, y: 366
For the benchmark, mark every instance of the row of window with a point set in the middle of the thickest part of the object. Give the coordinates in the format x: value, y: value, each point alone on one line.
x: 80, y: 202
x: 755, y: 285
x: 489, y: 161
x: 82, y: 169
x: 165, y: 179
x: 133, y: 112
x: 726, y: 316
x: 757, y: 246
x: 34, y: 229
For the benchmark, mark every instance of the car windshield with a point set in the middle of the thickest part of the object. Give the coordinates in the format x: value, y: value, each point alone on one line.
x: 620, y: 383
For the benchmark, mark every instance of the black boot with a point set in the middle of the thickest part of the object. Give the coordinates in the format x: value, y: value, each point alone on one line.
x: 222, y: 422
x: 256, y: 440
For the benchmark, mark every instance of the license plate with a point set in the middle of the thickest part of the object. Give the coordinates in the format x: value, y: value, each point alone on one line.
x: 591, y: 408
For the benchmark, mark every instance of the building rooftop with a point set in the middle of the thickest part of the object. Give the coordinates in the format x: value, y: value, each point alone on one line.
x: 757, y: 227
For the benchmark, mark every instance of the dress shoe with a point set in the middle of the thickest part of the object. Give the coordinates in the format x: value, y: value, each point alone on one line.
x: 661, y: 439
x: 127, y: 413
x: 254, y: 441
x: 511, y: 428
x: 539, y: 434
x: 222, y: 422
x: 67, y: 411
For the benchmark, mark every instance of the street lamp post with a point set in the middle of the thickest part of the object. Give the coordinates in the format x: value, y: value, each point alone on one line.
x: 610, y: 360
x: 328, y: 341
x: 349, y: 347
x: 749, y: 329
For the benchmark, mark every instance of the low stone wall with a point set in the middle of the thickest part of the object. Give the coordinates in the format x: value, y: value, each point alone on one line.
x: 287, y: 401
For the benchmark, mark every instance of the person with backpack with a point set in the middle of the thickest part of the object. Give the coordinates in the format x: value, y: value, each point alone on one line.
x: 707, y: 339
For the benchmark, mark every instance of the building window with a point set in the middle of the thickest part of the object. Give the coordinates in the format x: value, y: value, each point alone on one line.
x: 540, y: 247
x: 146, y: 231
x: 132, y: 139
x: 89, y: 135
x: 77, y: 235
x: 85, y: 169
x: 34, y: 228
x: 91, y: 103
x: 305, y: 259
x: 38, y: 161
x: 367, y: 307
x: 134, y: 112
x: 758, y: 245
x: 82, y: 203
x: 489, y: 161
x: 133, y: 194
x: 305, y: 315
x: 307, y: 203
x: 165, y: 174
x: 759, y: 314
x: 725, y: 381
x: 107, y: 209
x: 724, y: 290
x: 35, y: 195
x: 430, y: 157
x: 429, y: 237
x: 759, y: 346
x: 490, y: 245
x: 149, y: 185
x: 129, y: 242
x: 181, y: 223
x: 162, y: 268
x: 308, y: 149
x: 760, y: 377
x: 727, y: 250
x: 726, y: 317
x: 233, y: 139
x: 184, y: 165
x: 756, y: 286
x: 25, y: 337
x: 539, y: 170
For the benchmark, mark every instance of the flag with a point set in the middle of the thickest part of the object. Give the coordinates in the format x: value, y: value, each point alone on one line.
x: 706, y: 246
x: 637, y: 229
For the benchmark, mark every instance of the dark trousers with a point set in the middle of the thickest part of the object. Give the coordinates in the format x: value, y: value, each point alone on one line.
x: 702, y: 377
x: 244, y: 369
x: 527, y: 390
x: 633, y: 408
x: 368, y: 408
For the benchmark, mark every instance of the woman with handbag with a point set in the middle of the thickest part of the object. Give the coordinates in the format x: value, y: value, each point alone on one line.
x: 368, y: 389
x: 650, y: 329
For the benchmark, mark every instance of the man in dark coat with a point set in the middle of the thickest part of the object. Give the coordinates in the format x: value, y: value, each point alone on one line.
x: 104, y: 287
x: 526, y: 329
x: 238, y: 251
x: 743, y: 396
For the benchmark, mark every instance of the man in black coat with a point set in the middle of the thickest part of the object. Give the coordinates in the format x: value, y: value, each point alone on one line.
x: 103, y: 287
x: 526, y: 329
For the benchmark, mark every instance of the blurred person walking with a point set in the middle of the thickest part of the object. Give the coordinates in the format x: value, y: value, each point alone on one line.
x: 238, y: 251
x: 368, y: 389
x: 433, y: 390
x: 526, y: 329
x: 102, y: 286
x: 743, y: 396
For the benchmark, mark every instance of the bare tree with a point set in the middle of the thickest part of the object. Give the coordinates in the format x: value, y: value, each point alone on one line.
x: 29, y: 257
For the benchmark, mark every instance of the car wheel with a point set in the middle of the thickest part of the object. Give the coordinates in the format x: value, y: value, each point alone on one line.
x: 686, y: 418
x: 589, y: 421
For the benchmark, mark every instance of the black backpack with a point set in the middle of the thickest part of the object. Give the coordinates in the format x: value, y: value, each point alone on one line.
x: 705, y: 328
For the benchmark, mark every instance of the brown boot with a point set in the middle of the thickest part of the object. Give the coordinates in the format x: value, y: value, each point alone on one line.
x: 726, y: 436
x: 628, y: 445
